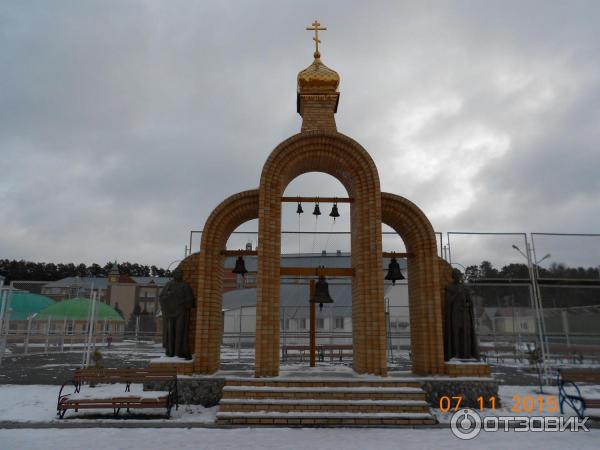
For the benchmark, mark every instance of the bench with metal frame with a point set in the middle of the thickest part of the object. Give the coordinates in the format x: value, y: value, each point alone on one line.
x: 334, y: 351
x: 567, y: 381
x: 127, y: 376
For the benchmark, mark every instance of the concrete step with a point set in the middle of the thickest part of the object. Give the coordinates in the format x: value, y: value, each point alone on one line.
x: 320, y: 393
x: 327, y: 382
x: 324, y: 419
x: 322, y: 405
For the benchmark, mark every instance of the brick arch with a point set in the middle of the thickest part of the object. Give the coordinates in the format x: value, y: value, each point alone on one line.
x: 224, y: 219
x: 343, y: 158
x: 425, y: 303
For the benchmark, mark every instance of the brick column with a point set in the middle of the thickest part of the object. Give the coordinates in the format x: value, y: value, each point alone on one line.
x: 343, y: 158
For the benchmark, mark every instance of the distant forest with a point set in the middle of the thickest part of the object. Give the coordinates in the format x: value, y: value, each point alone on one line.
x: 555, y: 289
x: 36, y: 271
x: 520, y: 271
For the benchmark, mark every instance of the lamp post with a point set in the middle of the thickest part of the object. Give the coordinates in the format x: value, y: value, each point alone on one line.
x: 536, y: 300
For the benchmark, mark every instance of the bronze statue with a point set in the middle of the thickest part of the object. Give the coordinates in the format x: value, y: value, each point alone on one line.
x: 176, y: 302
x: 460, y: 340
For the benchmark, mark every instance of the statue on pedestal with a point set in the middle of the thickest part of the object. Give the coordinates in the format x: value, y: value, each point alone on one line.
x: 460, y: 340
x: 176, y: 302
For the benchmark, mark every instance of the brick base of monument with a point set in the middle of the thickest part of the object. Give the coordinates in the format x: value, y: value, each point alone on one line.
x: 182, y: 366
x: 467, y: 369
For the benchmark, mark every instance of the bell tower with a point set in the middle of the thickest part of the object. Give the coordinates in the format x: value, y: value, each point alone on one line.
x: 317, y: 98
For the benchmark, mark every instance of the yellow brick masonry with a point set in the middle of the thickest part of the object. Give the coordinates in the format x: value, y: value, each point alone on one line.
x: 319, y: 147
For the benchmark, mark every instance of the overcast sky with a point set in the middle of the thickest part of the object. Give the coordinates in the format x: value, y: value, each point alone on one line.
x: 124, y: 123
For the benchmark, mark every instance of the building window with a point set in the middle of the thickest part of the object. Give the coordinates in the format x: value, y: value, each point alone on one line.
x: 339, y: 323
x: 320, y: 323
x: 70, y: 327
x: 287, y: 324
x: 302, y: 324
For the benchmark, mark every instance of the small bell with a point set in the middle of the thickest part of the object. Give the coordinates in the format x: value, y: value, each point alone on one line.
x: 321, y: 293
x: 240, y: 267
x: 299, y: 210
x: 394, y: 273
x: 317, y: 211
x: 334, y: 212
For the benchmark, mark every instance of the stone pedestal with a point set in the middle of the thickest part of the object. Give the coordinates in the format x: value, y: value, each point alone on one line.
x: 183, y: 366
x: 467, y: 369
x: 205, y: 391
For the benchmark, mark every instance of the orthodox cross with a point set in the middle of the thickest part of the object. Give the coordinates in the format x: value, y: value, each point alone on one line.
x: 316, y: 27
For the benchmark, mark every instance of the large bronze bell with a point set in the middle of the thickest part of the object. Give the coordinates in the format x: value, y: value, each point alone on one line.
x: 394, y: 273
x: 321, y: 293
x: 240, y: 267
x: 299, y: 210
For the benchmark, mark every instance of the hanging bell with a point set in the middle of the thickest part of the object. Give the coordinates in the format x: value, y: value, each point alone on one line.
x: 299, y: 210
x: 321, y: 293
x: 240, y: 267
x: 317, y: 211
x: 334, y: 212
x: 394, y: 273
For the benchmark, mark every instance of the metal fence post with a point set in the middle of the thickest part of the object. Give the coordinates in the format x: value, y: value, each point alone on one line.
x: 240, y: 336
x: 4, y: 312
x: 48, y: 322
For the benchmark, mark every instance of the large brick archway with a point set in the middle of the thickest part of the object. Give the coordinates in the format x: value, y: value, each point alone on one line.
x: 425, y: 302
x: 224, y: 219
x: 320, y: 148
x: 343, y: 158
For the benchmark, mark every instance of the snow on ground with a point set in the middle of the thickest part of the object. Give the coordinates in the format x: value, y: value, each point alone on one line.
x: 511, y: 406
x: 37, y: 403
x: 285, y: 438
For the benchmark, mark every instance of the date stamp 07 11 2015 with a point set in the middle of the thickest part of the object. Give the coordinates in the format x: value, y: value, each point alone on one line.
x: 520, y: 404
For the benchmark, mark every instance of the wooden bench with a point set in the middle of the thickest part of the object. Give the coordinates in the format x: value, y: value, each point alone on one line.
x: 500, y: 352
x: 334, y: 350
x: 323, y: 350
x: 296, y: 348
x: 574, y: 353
x: 567, y: 379
x: 99, y: 398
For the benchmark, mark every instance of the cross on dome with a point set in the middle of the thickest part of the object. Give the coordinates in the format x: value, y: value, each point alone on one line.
x: 316, y: 27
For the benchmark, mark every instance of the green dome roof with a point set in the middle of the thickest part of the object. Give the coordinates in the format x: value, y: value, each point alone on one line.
x: 25, y: 304
x: 78, y: 309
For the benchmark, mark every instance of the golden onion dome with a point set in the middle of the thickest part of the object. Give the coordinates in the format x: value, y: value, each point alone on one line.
x: 318, y: 78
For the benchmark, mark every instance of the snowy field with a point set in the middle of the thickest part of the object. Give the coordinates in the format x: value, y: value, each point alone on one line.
x: 30, y: 404
x: 282, y: 439
x: 37, y: 404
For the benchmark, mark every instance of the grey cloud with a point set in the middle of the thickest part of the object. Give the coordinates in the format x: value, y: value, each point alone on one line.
x: 122, y: 124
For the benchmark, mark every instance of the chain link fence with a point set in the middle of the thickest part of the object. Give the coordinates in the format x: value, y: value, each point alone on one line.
x: 537, y: 292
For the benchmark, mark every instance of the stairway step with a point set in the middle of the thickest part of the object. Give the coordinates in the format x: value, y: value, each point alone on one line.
x: 295, y: 401
x: 341, y: 393
x: 327, y: 382
x: 324, y: 419
x: 243, y: 405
